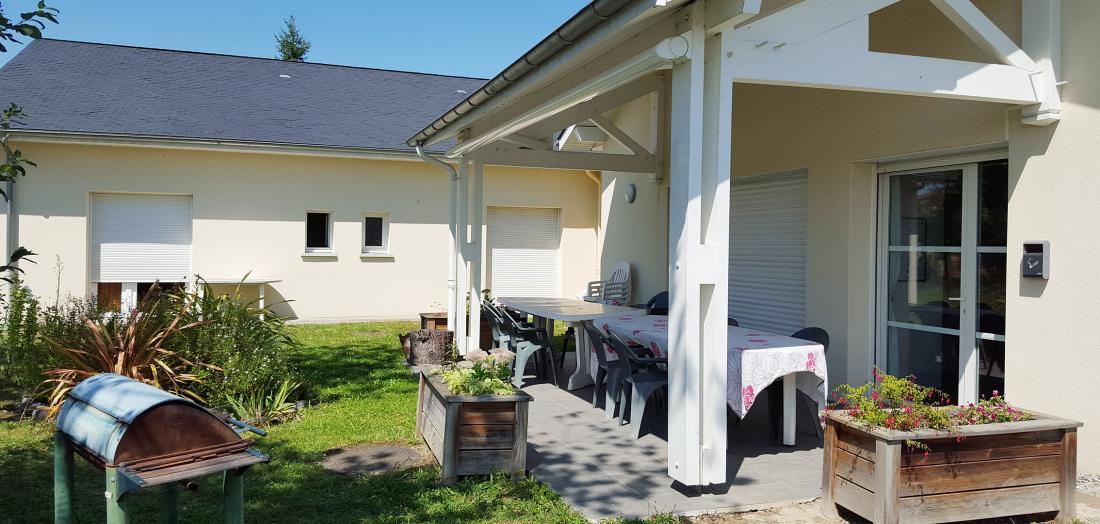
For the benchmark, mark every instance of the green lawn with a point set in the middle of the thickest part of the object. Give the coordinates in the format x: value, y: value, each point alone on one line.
x: 364, y: 394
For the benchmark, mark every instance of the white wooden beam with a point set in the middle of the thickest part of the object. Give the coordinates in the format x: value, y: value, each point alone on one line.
x: 613, y: 130
x: 1042, y: 40
x: 724, y: 14
x: 983, y: 32
x: 806, y: 20
x: 504, y: 156
x: 526, y: 141
x: 685, y: 423
x: 475, y: 248
x: 595, y: 106
x: 714, y: 254
x: 632, y: 59
x: 839, y: 60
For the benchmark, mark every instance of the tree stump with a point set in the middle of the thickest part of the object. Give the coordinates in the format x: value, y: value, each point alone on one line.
x: 427, y: 346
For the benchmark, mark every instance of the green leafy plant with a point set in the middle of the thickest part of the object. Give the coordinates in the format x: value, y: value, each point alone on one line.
x: 481, y: 373
x: 21, y: 357
x: 265, y: 408
x: 901, y: 404
x: 246, y: 345
x: 130, y: 345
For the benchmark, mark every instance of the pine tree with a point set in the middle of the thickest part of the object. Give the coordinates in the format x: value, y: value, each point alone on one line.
x: 292, y: 45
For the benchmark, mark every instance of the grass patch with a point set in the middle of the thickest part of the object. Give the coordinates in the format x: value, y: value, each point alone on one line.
x: 364, y: 394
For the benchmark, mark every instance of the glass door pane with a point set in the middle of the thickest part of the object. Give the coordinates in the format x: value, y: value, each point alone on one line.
x: 992, y: 275
x: 923, y: 288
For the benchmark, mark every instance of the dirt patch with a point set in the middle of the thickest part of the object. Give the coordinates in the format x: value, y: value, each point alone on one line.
x: 374, y: 459
x: 369, y: 333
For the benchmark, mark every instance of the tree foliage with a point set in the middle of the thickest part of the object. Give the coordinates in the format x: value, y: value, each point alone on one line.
x: 292, y: 46
x: 29, y: 24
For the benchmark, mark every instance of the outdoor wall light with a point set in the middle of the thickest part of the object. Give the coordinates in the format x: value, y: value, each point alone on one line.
x: 631, y: 193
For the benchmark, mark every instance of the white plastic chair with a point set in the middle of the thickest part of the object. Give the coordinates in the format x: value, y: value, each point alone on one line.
x: 614, y: 290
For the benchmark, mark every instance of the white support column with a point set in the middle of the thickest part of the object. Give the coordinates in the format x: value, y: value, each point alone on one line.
x: 462, y: 278
x: 475, y: 250
x: 452, y: 253
x: 698, y: 238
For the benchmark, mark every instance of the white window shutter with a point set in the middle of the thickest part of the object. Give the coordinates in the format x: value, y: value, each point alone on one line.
x: 140, y: 238
x: 522, y: 251
x: 767, y: 265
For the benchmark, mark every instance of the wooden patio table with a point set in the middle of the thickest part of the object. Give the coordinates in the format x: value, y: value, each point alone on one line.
x: 571, y: 311
x: 756, y: 358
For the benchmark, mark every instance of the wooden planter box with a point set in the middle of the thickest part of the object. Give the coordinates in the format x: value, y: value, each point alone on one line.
x: 472, y: 435
x: 996, y: 470
x: 439, y: 321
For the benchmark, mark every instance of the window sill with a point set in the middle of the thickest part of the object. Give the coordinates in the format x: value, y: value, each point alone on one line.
x: 318, y: 254
x: 376, y: 254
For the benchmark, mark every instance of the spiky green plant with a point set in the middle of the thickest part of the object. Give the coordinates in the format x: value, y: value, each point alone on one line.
x: 131, y: 345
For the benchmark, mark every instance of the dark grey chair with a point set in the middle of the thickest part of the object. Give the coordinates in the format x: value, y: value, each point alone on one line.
x: 496, y: 323
x: 642, y: 378
x: 658, y: 305
x: 775, y: 390
x: 732, y: 322
x: 527, y: 342
x: 609, y: 376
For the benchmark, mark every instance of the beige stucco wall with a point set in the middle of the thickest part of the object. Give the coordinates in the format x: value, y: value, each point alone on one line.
x: 249, y: 215
x: 1052, y: 356
x: 636, y: 232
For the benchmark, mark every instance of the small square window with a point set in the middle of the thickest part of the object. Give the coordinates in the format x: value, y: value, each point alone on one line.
x: 375, y: 233
x: 318, y: 231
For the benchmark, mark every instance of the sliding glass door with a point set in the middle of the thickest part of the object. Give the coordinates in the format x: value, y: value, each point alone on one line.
x: 941, y: 277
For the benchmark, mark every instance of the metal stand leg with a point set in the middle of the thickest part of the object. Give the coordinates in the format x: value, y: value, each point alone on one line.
x: 62, y: 480
x: 233, y: 496
x: 169, y: 503
x: 116, y: 512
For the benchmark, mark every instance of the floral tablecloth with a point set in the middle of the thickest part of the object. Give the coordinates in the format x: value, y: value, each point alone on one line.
x: 756, y: 358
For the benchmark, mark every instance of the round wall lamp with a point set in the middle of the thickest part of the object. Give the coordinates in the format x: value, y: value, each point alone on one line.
x: 631, y: 193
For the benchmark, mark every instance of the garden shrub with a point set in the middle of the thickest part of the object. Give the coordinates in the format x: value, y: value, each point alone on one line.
x: 481, y: 373
x: 22, y: 358
x: 249, y: 352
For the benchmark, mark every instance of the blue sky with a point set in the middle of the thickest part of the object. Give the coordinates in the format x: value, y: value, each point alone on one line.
x: 471, y: 38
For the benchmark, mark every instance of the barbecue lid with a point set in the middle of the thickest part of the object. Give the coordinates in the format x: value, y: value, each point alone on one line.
x: 102, y: 410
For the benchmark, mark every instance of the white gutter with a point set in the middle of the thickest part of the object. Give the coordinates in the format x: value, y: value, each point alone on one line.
x: 201, y: 144
x: 452, y: 240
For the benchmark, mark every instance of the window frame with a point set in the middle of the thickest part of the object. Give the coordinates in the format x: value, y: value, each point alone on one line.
x: 328, y: 232
x: 382, y: 250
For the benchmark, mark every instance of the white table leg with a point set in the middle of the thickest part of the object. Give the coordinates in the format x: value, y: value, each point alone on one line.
x: 581, y: 377
x: 789, y: 413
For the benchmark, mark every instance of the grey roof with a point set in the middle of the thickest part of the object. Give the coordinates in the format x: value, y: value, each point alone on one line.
x: 67, y: 86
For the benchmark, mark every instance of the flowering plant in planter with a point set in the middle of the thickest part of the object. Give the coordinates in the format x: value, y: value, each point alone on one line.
x: 481, y: 373
x: 900, y: 403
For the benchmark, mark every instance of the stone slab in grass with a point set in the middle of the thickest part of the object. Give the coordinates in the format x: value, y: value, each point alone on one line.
x: 373, y: 459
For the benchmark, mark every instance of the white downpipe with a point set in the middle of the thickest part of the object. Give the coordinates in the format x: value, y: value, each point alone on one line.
x: 452, y: 240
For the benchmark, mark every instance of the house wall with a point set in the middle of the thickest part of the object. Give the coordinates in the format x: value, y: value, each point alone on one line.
x: 249, y: 216
x: 1051, y: 356
x: 636, y: 232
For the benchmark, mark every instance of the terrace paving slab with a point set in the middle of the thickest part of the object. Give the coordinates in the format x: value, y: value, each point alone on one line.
x: 601, y: 470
